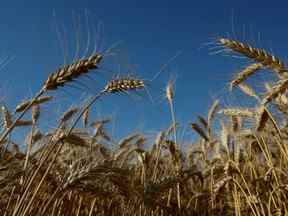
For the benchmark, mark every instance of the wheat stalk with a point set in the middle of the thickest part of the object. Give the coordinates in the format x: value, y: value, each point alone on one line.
x: 244, y: 74
x: 35, y: 113
x: 211, y: 114
x: 23, y: 123
x: 25, y: 104
x: 248, y: 90
x: 248, y: 113
x: 68, y: 114
x: 262, y: 119
x: 85, y: 117
x: 278, y: 89
x: 200, y: 131
x: 55, y: 80
x: 170, y: 96
x: 258, y: 55
x: 72, y: 71
x: 7, y: 118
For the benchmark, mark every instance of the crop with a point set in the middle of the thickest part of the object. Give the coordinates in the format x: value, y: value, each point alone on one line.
x: 240, y: 168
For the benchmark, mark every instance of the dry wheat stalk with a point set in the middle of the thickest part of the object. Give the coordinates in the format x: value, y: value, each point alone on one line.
x: 170, y: 91
x: 100, y: 132
x: 248, y: 90
x: 170, y: 144
x: 127, y: 140
x: 35, y: 113
x: 170, y: 96
x: 258, y: 55
x: 7, y: 118
x: 36, y: 136
x: 200, y: 131
x: 248, y: 113
x: 244, y: 74
x: 25, y: 104
x: 13, y: 125
x: 68, y: 114
x: 202, y: 121
x: 99, y: 129
x: 211, y: 113
x: 98, y: 123
x: 268, y: 86
x: 71, y: 72
x: 55, y: 80
x: 236, y: 121
x: 282, y: 99
x: 75, y: 139
x: 220, y: 184
x: 224, y: 137
x: 263, y: 117
x: 278, y: 89
x: 85, y: 117
x: 158, y: 142
x: 171, y: 129
x: 23, y: 123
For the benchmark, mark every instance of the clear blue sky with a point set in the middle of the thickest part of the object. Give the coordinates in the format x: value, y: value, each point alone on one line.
x: 152, y: 32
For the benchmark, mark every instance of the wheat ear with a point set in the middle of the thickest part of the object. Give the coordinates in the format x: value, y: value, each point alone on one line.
x: 72, y: 71
x: 258, y: 55
x: 40, y: 100
x: 247, y: 113
x: 244, y: 74
x: 280, y: 87
x: 123, y: 85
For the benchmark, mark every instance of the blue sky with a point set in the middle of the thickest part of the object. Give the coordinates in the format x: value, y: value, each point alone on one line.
x: 152, y: 32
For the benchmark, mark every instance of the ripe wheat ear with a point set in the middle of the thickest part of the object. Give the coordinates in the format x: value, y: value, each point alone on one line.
x: 256, y: 54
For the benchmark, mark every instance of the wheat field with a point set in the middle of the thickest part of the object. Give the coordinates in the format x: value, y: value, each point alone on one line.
x: 237, y: 168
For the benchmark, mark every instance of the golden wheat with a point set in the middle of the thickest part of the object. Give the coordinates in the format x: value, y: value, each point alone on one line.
x: 123, y: 85
x: 25, y: 104
x: 237, y: 167
x: 258, y: 55
x: 279, y: 88
x: 71, y: 72
x: 7, y: 118
x: 244, y: 74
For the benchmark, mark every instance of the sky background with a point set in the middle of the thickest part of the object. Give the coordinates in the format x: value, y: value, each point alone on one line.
x: 152, y: 32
